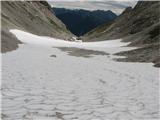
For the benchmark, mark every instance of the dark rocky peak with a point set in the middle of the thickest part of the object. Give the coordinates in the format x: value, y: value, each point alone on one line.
x: 45, y: 4
x: 145, y: 4
x: 127, y: 10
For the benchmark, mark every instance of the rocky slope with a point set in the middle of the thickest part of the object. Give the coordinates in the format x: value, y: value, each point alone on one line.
x: 80, y: 21
x: 131, y: 21
x: 34, y: 17
x: 140, y: 26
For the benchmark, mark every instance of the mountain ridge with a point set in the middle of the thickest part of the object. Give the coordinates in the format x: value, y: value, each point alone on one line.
x: 80, y: 21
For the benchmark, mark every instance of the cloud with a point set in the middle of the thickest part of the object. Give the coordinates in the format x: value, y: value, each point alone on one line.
x: 116, y: 6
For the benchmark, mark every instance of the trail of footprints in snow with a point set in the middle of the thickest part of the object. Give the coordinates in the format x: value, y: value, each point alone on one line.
x: 24, y: 102
x: 43, y: 106
x: 66, y: 108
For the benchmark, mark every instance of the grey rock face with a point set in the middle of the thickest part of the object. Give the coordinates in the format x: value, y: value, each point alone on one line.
x: 131, y: 21
x: 140, y: 26
x: 32, y: 16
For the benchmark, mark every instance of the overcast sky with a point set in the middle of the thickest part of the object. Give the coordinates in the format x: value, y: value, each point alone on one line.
x: 116, y: 6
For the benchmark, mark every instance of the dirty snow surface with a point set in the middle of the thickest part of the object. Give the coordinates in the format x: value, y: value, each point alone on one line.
x: 51, y: 79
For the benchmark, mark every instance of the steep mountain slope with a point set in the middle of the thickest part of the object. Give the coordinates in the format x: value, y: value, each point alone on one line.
x: 33, y: 16
x: 80, y: 21
x: 131, y: 21
x: 140, y: 26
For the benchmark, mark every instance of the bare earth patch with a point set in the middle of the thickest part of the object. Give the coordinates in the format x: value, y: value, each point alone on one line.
x: 79, y: 52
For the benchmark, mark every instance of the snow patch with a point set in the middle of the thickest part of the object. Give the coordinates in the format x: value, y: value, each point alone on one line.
x: 43, y: 40
x: 70, y: 88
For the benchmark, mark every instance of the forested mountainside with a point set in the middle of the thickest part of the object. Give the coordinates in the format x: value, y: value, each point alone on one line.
x: 32, y: 16
x: 140, y: 26
x: 80, y: 21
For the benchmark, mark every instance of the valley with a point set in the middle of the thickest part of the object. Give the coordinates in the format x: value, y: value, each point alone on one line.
x: 37, y: 86
x: 105, y: 69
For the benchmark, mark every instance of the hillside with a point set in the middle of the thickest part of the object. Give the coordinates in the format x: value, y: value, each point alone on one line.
x: 140, y: 26
x: 34, y: 17
x: 80, y: 21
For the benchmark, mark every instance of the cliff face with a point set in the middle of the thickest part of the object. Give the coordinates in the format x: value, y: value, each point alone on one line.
x: 32, y: 16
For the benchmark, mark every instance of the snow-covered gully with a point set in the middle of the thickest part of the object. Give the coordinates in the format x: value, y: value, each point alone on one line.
x: 43, y: 80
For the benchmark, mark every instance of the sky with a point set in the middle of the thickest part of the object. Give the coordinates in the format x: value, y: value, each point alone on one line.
x: 117, y: 6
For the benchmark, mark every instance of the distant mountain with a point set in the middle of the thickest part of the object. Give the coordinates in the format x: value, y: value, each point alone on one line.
x: 140, y: 26
x: 80, y: 21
